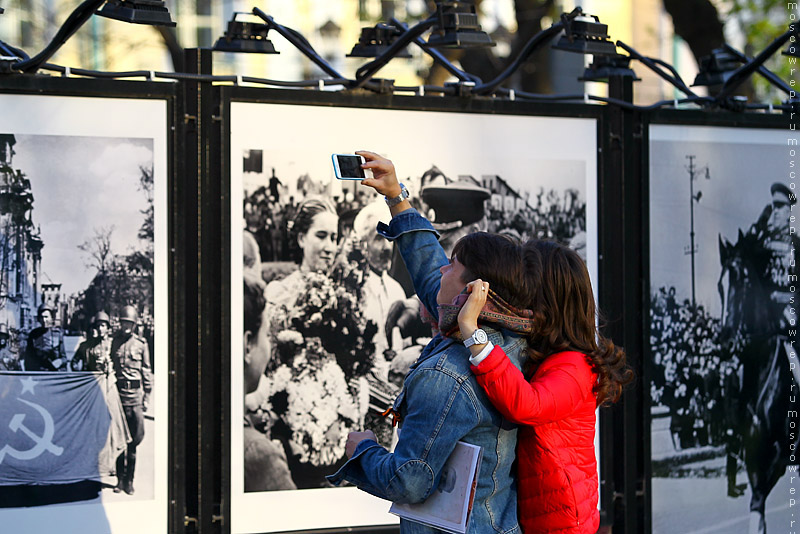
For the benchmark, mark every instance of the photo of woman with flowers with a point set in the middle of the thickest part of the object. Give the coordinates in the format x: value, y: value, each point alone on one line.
x: 316, y: 390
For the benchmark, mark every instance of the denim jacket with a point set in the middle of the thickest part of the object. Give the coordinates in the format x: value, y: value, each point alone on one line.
x: 440, y: 404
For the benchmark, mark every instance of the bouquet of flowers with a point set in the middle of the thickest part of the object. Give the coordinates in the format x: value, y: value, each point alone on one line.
x: 324, y: 349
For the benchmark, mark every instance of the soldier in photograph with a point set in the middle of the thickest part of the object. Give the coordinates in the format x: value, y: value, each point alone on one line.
x: 94, y: 354
x: 131, y: 359
x: 8, y: 360
x: 45, y: 348
x: 777, y: 245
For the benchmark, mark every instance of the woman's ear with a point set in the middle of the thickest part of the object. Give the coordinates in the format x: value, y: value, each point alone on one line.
x: 301, y: 239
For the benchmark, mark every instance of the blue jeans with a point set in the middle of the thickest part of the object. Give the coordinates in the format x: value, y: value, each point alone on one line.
x: 440, y: 404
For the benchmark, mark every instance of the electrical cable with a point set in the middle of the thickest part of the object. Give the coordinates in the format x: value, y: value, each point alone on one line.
x: 651, y: 64
x: 530, y: 46
x: 437, y: 56
x: 365, y: 72
x: 76, y: 19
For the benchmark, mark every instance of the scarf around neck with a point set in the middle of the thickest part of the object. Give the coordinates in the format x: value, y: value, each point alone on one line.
x: 496, y: 313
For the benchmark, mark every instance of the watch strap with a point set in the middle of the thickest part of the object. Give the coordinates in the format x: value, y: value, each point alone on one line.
x: 394, y: 201
x: 478, y: 337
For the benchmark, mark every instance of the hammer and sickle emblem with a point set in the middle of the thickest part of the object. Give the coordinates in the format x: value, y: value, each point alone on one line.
x: 43, y: 442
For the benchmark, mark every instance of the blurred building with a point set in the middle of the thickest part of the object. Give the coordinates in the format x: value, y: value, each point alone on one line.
x: 332, y: 27
x: 20, y: 248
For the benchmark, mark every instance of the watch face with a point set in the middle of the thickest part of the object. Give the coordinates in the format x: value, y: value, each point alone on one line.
x: 480, y: 337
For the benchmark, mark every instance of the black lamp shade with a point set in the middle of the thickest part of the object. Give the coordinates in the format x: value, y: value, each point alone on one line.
x: 375, y: 40
x: 716, y: 68
x: 587, y: 37
x: 604, y: 66
x: 2, y: 10
x: 151, y: 12
x: 248, y: 37
x: 458, y: 27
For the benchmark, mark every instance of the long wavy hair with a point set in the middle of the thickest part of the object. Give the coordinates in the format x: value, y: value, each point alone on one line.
x: 552, y: 280
x: 566, y: 318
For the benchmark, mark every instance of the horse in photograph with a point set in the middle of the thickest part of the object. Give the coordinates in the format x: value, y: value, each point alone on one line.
x: 751, y: 330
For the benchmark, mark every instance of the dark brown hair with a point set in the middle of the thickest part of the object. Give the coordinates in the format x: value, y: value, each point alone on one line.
x: 512, y: 272
x: 254, y: 303
x: 552, y: 280
x: 566, y: 319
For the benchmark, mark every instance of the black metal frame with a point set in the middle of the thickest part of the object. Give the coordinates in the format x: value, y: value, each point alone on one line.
x: 620, y: 216
x: 228, y: 94
x: 200, y: 263
x: 687, y: 118
x: 176, y: 177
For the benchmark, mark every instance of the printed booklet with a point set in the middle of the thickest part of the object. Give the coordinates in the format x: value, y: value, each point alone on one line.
x: 449, y: 506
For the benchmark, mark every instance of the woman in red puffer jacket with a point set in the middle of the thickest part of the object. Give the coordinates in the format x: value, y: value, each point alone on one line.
x: 571, y: 371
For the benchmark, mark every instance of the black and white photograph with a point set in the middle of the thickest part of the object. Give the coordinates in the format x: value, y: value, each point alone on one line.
x: 721, y: 329
x: 83, y: 326
x: 329, y: 319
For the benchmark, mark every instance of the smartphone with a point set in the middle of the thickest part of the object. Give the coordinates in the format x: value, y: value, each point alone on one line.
x: 348, y: 167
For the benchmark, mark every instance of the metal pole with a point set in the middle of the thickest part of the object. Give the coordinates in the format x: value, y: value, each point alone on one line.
x: 691, y: 218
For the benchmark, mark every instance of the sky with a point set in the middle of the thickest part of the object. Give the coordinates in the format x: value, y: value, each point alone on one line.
x: 84, y: 183
x: 742, y: 165
x: 527, y: 153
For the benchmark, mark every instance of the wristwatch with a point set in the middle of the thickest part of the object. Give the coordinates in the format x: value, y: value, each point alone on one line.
x: 394, y: 201
x: 478, y: 337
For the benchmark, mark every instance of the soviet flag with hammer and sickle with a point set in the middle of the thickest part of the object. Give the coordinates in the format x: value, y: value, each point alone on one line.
x: 57, y: 428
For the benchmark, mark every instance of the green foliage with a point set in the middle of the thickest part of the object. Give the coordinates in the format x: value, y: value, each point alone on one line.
x: 762, y: 21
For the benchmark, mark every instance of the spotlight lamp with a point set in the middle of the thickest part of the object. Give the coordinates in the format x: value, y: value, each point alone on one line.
x: 457, y: 27
x: 151, y: 12
x: 585, y: 34
x: 243, y: 36
x: 716, y: 68
x: 375, y: 40
x: 603, y: 67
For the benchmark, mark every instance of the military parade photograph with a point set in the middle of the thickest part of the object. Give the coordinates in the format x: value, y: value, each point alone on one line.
x: 330, y: 320
x: 81, y: 260
x: 721, y: 346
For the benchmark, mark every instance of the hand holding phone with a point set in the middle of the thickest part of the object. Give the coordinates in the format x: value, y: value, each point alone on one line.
x: 348, y: 167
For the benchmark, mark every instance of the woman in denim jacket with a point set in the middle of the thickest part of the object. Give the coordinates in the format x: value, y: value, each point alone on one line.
x: 441, y: 402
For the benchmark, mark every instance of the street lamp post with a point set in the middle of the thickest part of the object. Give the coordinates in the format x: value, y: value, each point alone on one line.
x: 692, y: 249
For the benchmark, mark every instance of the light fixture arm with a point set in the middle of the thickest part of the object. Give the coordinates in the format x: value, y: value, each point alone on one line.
x: 437, y: 56
x: 365, y: 72
x: 649, y: 63
x: 76, y: 19
x: 742, y: 73
x: 533, y: 43
x: 762, y: 70
x: 298, y: 41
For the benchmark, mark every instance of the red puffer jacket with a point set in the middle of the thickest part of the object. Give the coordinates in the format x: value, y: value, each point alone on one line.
x: 556, y: 462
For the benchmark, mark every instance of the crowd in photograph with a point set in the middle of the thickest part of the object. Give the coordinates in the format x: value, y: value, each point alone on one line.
x: 331, y: 321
